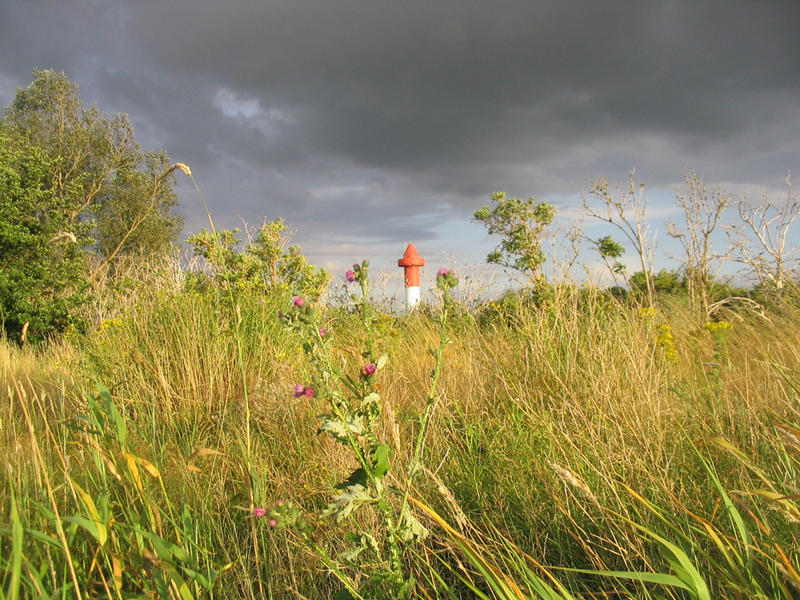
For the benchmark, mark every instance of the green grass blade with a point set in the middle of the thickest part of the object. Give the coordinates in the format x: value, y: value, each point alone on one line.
x: 17, y: 535
x: 664, y: 579
x: 741, y: 527
x: 681, y: 564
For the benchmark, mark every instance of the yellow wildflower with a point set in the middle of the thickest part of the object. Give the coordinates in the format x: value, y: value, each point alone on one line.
x: 109, y: 325
x: 718, y: 326
x: 646, y: 312
x: 666, y: 342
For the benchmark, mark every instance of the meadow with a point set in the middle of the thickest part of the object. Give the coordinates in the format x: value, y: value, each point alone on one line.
x: 250, y: 430
x: 560, y: 445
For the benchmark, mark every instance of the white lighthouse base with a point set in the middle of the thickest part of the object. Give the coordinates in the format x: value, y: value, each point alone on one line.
x: 412, y: 297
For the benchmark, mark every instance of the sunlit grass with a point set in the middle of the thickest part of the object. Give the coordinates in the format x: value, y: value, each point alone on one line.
x: 566, y: 441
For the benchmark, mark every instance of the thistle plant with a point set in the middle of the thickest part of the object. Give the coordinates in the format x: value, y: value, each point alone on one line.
x: 353, y: 419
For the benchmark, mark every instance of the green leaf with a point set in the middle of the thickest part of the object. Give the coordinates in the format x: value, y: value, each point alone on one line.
x: 362, y: 542
x: 642, y: 576
x: 86, y: 524
x: 113, y: 414
x: 380, y: 460
x: 357, y: 477
x: 412, y: 529
x: 350, y: 556
x: 17, y: 533
x: 681, y: 563
x: 100, y: 528
x: 735, y: 516
x: 42, y: 537
x: 339, y: 429
x: 165, y: 549
x: 345, y: 503
x: 371, y: 399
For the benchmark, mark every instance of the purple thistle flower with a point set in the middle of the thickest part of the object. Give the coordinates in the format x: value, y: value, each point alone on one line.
x: 298, y: 301
x: 259, y: 511
x: 443, y: 272
x: 323, y: 332
x: 349, y: 276
x: 273, y: 523
x: 369, y: 369
x: 309, y: 391
x: 299, y: 390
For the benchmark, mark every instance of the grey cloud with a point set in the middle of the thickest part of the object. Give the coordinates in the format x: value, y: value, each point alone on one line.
x: 380, y: 120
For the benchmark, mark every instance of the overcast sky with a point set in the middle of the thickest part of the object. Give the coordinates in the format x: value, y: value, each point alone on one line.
x: 369, y: 124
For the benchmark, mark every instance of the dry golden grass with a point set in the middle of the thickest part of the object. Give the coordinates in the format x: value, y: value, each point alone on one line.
x: 543, y: 416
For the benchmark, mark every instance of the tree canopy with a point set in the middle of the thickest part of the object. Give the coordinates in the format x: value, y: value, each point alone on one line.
x: 42, y: 267
x: 96, y: 158
x: 76, y: 194
x: 521, y: 225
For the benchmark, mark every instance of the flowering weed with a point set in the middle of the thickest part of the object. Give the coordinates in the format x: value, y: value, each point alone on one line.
x: 353, y: 419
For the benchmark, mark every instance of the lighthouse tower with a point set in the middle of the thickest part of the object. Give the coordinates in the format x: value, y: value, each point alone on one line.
x: 411, y: 262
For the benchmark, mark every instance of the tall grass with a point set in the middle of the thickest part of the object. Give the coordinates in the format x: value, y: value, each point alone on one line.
x: 571, y: 455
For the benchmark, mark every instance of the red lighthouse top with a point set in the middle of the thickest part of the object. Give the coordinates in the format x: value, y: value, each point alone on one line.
x: 411, y: 262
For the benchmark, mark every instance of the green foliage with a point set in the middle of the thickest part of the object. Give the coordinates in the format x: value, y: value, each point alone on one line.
x: 610, y: 251
x: 42, y: 262
x: 609, y: 247
x: 521, y: 225
x: 76, y: 193
x: 135, y: 217
x: 265, y: 264
x: 664, y: 282
x: 123, y: 194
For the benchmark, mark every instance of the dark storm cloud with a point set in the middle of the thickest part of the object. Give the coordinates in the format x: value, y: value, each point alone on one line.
x: 371, y: 73
x: 379, y: 120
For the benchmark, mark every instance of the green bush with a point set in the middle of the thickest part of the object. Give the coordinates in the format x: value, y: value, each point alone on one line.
x: 76, y: 195
x: 43, y: 274
x: 265, y: 264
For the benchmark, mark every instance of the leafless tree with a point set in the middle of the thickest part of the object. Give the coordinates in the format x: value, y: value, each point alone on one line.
x: 703, y: 211
x: 567, y: 244
x: 768, y: 224
x: 627, y: 211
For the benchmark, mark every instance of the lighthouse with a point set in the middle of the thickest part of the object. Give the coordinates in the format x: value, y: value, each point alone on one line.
x: 411, y: 262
